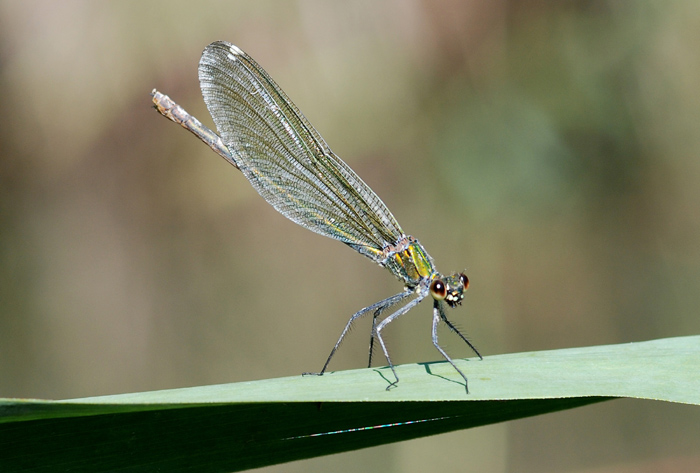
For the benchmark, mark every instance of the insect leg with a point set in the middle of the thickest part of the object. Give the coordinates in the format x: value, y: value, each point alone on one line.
x: 387, y: 321
x: 378, y: 307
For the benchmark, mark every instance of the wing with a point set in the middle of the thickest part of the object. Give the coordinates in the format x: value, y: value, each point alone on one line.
x: 285, y: 158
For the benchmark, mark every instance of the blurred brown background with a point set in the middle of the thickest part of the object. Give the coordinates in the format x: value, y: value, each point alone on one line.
x: 550, y: 149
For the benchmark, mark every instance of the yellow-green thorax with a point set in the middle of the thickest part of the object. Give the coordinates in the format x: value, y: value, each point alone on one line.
x: 409, y: 261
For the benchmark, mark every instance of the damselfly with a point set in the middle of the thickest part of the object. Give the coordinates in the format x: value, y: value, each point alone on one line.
x: 265, y: 136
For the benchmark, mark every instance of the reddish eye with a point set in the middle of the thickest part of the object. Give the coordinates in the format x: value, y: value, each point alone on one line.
x: 464, y: 279
x: 438, y: 289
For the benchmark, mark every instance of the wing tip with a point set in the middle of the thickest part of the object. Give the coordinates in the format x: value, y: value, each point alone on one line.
x: 235, y: 50
x: 231, y: 49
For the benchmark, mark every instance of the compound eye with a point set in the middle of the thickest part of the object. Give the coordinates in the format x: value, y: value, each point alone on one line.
x: 438, y: 289
x: 464, y: 280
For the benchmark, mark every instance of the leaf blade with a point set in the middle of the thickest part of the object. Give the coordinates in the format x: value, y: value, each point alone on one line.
x: 252, y: 424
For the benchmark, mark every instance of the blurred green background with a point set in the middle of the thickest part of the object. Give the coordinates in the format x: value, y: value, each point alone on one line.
x: 549, y: 149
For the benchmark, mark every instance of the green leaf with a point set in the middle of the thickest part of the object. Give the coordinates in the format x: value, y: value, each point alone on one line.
x: 252, y: 424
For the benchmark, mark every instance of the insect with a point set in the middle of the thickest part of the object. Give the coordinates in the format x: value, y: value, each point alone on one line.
x: 265, y: 136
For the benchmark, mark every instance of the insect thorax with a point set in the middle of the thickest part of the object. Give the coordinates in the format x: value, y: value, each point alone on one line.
x: 408, y: 261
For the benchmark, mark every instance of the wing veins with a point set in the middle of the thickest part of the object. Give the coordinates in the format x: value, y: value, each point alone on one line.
x: 285, y: 158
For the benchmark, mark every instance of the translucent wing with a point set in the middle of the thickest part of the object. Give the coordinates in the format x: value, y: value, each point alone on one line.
x: 285, y: 158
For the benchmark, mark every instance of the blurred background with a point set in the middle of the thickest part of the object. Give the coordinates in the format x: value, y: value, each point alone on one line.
x: 549, y: 149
